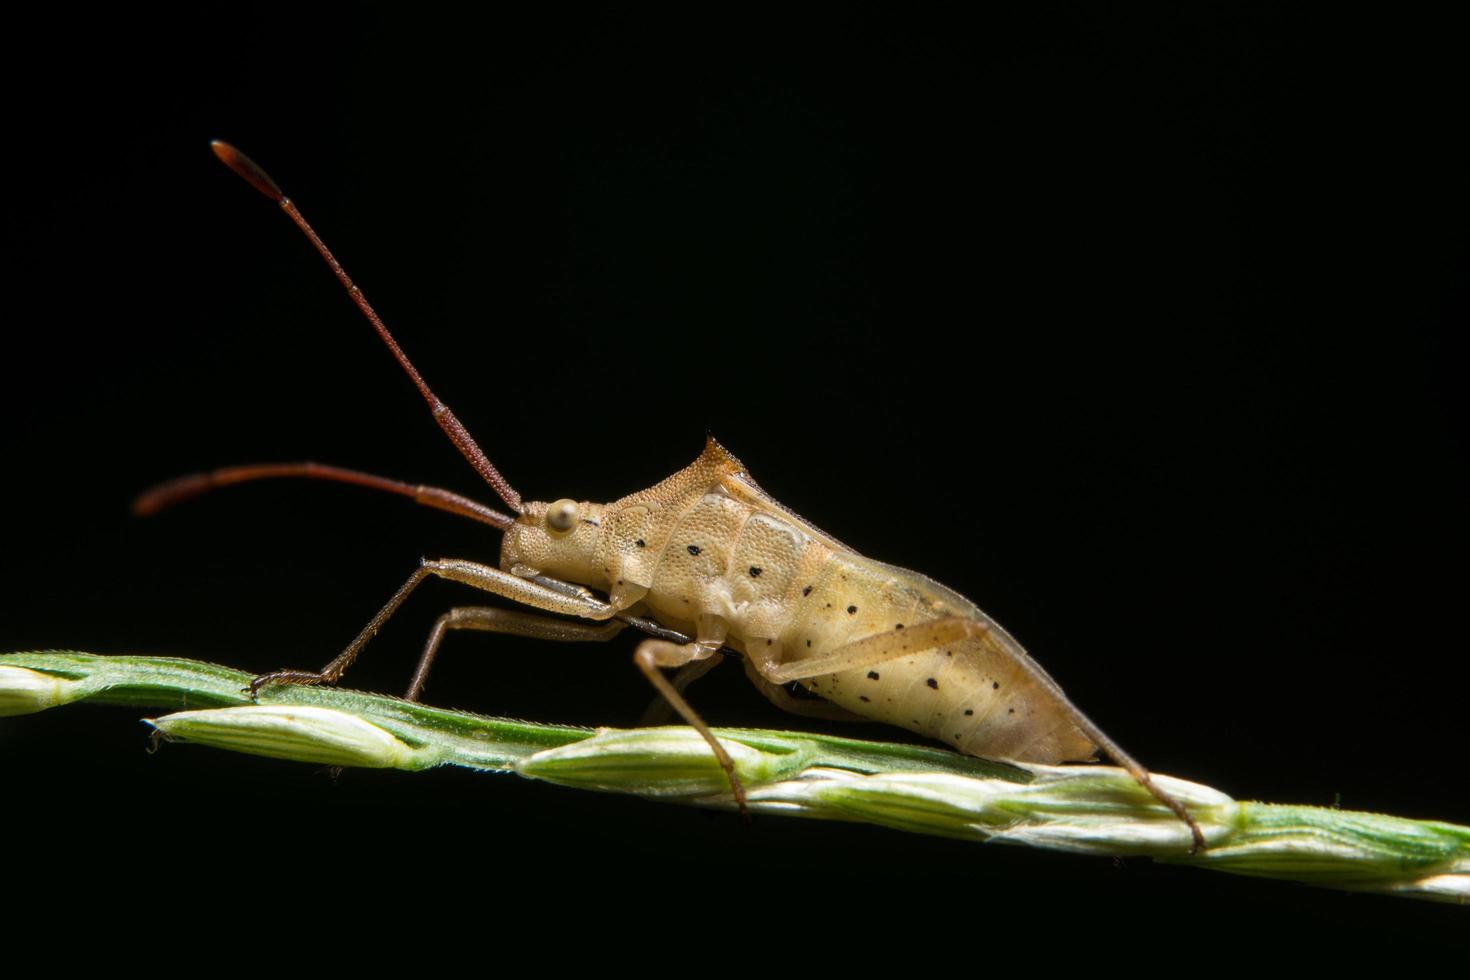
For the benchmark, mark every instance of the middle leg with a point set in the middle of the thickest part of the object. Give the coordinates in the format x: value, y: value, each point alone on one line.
x: 659, y: 710
x: 650, y: 657
x: 511, y: 622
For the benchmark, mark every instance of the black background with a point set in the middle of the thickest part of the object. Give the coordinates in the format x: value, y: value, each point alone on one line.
x: 1145, y: 330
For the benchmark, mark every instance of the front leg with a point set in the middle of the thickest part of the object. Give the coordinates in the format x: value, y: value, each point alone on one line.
x: 487, y: 578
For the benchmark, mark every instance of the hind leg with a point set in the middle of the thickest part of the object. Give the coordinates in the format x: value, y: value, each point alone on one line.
x: 809, y: 708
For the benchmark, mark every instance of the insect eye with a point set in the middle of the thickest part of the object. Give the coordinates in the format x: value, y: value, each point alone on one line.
x: 562, y: 515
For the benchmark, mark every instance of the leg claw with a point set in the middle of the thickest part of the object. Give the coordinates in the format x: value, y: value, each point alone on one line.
x: 304, y: 677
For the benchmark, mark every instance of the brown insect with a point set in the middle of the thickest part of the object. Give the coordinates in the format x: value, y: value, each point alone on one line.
x: 704, y: 562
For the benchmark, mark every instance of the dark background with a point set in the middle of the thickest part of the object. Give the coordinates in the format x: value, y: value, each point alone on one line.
x: 1144, y: 330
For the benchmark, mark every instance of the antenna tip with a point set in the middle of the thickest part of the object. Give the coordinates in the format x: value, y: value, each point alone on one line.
x: 165, y: 495
x: 248, y: 169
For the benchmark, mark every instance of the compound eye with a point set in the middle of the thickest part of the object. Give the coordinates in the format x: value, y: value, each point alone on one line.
x: 562, y: 515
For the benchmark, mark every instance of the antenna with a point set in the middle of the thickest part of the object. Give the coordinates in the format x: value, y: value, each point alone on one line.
x: 180, y: 489
x: 251, y: 173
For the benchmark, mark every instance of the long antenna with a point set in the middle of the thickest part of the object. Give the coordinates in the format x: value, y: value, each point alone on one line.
x: 251, y: 172
x: 183, y: 488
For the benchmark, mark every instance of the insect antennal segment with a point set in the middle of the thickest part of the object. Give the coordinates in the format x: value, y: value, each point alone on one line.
x: 256, y: 177
x: 248, y: 169
x: 184, y: 488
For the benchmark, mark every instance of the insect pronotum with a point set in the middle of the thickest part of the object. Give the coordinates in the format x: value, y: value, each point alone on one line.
x: 706, y: 562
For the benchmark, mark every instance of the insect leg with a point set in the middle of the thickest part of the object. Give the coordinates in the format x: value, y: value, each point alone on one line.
x: 507, y: 621
x: 782, y: 698
x: 893, y: 644
x: 659, y: 710
x: 653, y: 629
x: 652, y: 655
x: 487, y: 578
x: 876, y: 649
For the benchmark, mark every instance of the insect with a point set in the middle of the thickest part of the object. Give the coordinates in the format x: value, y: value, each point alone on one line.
x: 706, y: 562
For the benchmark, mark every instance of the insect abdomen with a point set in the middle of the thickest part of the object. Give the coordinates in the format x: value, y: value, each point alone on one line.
x: 971, y: 694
